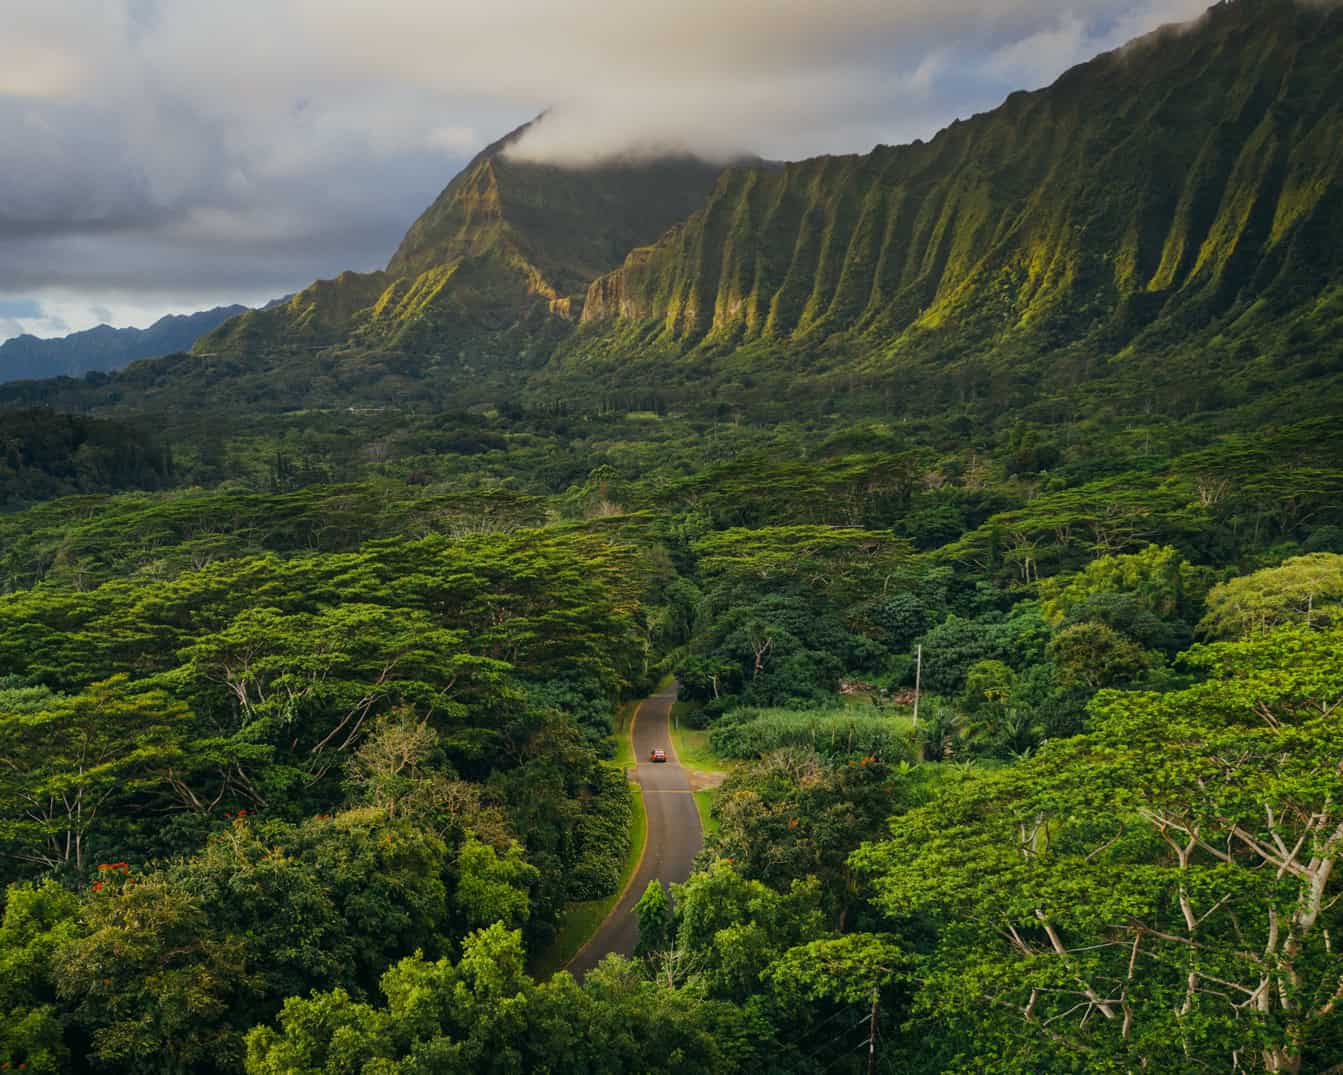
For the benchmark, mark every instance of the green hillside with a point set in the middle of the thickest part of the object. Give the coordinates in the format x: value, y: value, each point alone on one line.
x: 1188, y: 185
x: 1152, y: 232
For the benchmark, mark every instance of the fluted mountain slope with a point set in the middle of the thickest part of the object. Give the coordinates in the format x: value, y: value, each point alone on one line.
x: 1161, y: 228
x: 507, y: 243
x: 1190, y: 175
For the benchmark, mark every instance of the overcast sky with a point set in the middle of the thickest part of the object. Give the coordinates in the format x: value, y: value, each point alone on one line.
x: 169, y: 155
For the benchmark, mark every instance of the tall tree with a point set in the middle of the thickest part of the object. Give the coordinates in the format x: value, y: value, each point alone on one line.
x: 69, y: 758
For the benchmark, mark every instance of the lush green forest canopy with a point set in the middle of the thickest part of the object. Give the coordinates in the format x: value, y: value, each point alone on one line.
x: 987, y: 506
x: 301, y: 773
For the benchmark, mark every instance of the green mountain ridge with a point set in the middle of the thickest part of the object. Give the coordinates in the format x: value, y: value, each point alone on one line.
x: 1192, y: 174
x: 1155, y: 230
x: 508, y: 243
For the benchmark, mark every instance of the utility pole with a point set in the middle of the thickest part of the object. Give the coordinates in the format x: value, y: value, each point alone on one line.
x: 872, y: 1033
x: 918, y: 683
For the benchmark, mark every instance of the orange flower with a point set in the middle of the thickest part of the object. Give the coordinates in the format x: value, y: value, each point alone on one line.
x: 97, y: 886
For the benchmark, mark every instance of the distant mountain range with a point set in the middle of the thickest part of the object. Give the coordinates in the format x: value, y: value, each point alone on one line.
x: 106, y: 348
x: 1168, y: 215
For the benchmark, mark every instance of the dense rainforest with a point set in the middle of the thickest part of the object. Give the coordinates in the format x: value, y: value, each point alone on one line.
x: 983, y: 497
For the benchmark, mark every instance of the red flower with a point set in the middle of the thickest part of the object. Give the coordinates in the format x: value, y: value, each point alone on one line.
x: 104, y: 865
x: 242, y: 813
x: 97, y: 886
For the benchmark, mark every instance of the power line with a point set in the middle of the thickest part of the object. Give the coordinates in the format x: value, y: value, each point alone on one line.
x: 841, y: 1034
x: 809, y: 1032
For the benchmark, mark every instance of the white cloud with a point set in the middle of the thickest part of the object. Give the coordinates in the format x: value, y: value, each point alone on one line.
x: 1070, y: 39
x: 463, y: 140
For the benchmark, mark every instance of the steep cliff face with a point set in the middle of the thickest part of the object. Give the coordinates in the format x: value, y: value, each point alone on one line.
x: 506, y: 243
x: 569, y: 225
x: 1191, y: 174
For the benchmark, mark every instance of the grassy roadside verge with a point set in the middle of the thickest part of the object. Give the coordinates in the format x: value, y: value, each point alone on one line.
x: 693, y: 752
x: 704, y: 804
x: 623, y: 727
x: 580, y: 920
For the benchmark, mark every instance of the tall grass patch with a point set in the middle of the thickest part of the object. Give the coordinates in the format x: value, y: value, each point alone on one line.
x: 748, y: 733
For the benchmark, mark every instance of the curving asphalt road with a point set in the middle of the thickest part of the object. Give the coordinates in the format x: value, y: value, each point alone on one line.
x: 674, y: 836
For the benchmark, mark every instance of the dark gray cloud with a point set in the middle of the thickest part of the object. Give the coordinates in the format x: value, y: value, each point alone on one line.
x: 172, y: 155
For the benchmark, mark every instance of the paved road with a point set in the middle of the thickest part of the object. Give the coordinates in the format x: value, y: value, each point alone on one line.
x: 674, y: 836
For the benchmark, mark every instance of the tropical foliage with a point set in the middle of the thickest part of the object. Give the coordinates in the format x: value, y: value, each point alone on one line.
x: 999, y: 565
